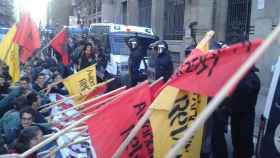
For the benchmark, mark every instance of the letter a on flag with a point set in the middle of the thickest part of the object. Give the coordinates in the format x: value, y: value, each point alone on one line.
x: 112, y: 124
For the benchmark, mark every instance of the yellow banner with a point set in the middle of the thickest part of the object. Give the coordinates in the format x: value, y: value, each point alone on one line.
x: 81, y: 82
x: 173, y: 112
x: 9, y: 53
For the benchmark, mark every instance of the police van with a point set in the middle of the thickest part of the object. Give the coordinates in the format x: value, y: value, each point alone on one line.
x: 3, y: 31
x: 113, y: 38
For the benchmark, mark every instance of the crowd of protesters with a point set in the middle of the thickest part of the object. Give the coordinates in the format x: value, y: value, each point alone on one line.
x: 22, y: 125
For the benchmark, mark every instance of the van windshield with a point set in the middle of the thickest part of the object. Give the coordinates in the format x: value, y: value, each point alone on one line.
x: 118, y: 41
x: 118, y: 44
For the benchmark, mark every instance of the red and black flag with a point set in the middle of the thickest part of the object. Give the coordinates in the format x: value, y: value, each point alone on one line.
x: 59, y: 43
x: 27, y: 36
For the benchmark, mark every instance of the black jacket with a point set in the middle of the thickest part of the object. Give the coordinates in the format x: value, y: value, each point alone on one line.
x: 134, y: 61
x: 244, y: 98
x: 163, y: 66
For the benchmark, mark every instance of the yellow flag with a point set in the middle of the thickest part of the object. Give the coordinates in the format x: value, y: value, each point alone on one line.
x: 81, y: 82
x: 9, y: 53
x: 174, y: 111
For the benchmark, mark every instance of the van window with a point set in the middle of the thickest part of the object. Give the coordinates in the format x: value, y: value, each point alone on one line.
x: 100, y: 29
x: 118, y: 45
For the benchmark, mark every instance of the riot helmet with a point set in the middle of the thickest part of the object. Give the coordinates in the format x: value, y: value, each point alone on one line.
x: 133, y: 43
x: 161, y: 46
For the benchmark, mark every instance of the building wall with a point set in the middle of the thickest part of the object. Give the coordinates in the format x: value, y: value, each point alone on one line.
x: 7, y: 12
x: 59, y: 12
x: 263, y: 21
x: 210, y: 14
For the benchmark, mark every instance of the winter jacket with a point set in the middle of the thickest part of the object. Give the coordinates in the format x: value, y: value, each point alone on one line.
x: 163, y: 66
x: 244, y: 98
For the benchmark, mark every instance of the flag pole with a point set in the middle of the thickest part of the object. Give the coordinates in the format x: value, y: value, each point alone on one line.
x: 49, y: 43
x: 99, y: 104
x: 216, y: 101
x: 51, y: 105
x: 91, y: 100
x: 136, y: 129
x: 53, y: 151
x: 62, y: 80
x: 55, y: 136
x: 148, y: 113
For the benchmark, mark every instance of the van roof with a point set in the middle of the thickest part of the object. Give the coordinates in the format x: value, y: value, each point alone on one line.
x: 125, y: 28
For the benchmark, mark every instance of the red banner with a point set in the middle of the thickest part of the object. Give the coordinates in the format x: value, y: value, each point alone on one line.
x: 98, y: 91
x: 206, y: 73
x: 102, y: 100
x: 27, y: 36
x: 59, y: 43
x: 111, y: 125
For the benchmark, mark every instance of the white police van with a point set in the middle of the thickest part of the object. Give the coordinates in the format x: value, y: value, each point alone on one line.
x: 113, y: 38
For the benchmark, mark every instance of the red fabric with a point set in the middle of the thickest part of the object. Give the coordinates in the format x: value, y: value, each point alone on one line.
x: 207, y: 83
x: 156, y: 88
x: 27, y: 36
x: 111, y: 125
x: 63, y: 105
x: 59, y: 43
x: 101, y: 99
x: 98, y: 91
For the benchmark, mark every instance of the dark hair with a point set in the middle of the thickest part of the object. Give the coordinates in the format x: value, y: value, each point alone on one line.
x: 20, y: 103
x: 31, y: 98
x: 26, y: 135
x: 24, y: 78
x: 87, y: 44
x: 40, y: 74
x: 28, y: 110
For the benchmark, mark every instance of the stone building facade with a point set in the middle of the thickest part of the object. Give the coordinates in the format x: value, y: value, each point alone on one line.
x: 232, y: 20
x: 59, y: 12
x: 7, y: 16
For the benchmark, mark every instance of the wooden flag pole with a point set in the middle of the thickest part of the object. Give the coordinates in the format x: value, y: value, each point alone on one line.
x: 78, y: 141
x: 55, y: 136
x: 60, y: 81
x: 54, y: 150
x: 136, y: 129
x: 72, y: 130
x: 222, y: 94
x: 133, y: 133
x: 100, y: 103
x: 76, y: 95
x: 90, y: 100
x: 148, y: 113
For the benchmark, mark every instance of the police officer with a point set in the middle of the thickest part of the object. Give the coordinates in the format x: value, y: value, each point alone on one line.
x: 134, y: 60
x: 242, y: 104
x: 163, y: 62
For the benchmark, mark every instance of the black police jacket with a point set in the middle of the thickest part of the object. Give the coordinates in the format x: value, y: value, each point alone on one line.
x: 163, y: 66
x: 134, y: 61
x: 244, y: 98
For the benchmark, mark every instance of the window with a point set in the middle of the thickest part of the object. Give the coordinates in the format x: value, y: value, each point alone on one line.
x: 238, y: 20
x: 174, y: 19
x: 145, y: 11
x: 99, y: 5
x: 124, y: 12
